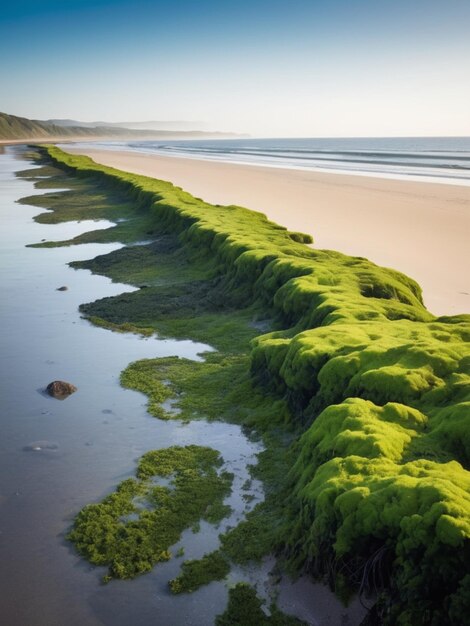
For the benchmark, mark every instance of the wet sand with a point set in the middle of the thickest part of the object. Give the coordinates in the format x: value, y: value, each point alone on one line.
x: 419, y: 228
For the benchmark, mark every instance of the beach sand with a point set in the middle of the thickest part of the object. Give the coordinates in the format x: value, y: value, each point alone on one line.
x: 419, y: 228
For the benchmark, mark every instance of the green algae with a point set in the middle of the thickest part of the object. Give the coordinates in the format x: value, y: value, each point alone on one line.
x: 254, y: 537
x: 219, y: 388
x: 196, y: 573
x: 378, y: 492
x: 126, y: 327
x: 133, y: 528
x: 246, y: 609
x: 84, y: 200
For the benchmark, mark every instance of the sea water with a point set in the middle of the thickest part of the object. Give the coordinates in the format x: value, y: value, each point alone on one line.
x: 438, y: 159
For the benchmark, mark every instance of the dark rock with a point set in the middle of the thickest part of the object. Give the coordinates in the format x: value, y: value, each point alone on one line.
x: 60, y: 389
x: 63, y: 288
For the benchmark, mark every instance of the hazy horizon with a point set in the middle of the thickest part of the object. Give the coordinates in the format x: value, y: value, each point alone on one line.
x: 310, y: 69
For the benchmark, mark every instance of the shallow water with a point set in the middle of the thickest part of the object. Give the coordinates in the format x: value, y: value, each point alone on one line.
x: 56, y: 457
x: 430, y: 159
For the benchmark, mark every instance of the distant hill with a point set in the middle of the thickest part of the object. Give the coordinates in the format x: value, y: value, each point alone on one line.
x: 14, y: 128
x: 66, y: 123
x: 178, y: 125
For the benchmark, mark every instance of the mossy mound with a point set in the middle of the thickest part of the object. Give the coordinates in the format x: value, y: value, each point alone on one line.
x: 259, y: 258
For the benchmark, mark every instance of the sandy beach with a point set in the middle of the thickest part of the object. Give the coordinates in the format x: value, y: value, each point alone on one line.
x: 419, y: 228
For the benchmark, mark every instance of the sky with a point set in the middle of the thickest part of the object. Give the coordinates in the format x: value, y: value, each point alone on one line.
x: 330, y: 68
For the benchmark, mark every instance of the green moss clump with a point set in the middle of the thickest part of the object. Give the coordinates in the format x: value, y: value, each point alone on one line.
x: 254, y: 537
x: 217, y: 388
x: 127, y: 327
x: 246, y: 609
x: 301, y: 237
x: 145, y: 377
x: 133, y: 528
x: 196, y: 573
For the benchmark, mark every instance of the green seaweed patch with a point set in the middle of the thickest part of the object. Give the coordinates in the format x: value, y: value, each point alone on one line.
x: 147, y: 376
x: 133, y: 528
x: 79, y: 201
x: 263, y: 529
x: 196, y: 573
x: 163, y: 261
x: 126, y: 327
x: 196, y: 309
x: 82, y: 199
x: 246, y: 609
x: 220, y: 387
x: 300, y: 237
x: 42, y: 176
x: 254, y: 537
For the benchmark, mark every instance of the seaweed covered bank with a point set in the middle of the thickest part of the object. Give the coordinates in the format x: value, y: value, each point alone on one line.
x: 361, y: 394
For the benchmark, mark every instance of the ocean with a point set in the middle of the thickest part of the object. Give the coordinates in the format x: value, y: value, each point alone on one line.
x: 442, y: 159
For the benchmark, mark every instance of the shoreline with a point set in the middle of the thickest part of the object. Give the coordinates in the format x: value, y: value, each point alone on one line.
x: 419, y: 229
x: 317, y: 169
x: 355, y: 360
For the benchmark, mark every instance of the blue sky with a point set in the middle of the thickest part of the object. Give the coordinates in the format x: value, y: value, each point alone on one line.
x: 298, y: 68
